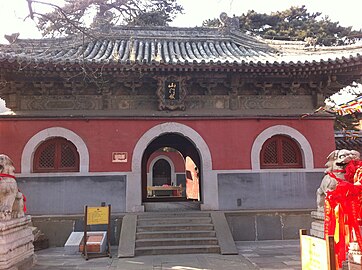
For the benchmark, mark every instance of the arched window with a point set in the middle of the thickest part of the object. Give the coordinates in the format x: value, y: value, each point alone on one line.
x: 280, y: 152
x: 56, y: 155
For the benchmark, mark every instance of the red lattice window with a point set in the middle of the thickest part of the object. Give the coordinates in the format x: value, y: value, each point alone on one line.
x: 56, y: 155
x: 280, y: 152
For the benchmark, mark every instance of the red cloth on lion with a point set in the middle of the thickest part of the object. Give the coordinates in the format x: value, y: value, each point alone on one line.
x: 342, y: 210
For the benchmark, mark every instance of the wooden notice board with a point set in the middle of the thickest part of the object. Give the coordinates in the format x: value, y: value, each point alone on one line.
x: 98, y: 215
x: 317, y: 253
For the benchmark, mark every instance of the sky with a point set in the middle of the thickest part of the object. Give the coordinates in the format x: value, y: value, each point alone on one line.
x: 347, y: 12
x: 13, y: 13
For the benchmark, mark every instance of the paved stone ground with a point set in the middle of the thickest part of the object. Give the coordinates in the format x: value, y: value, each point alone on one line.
x: 283, y: 255
x: 267, y: 255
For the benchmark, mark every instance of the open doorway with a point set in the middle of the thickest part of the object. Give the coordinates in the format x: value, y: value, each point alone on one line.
x: 161, y: 173
x: 164, y: 174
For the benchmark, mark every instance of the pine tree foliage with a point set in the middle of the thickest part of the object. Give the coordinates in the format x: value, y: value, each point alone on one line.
x: 295, y: 23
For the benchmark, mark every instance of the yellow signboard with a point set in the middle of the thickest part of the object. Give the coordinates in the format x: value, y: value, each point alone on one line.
x: 314, y: 253
x: 97, y: 215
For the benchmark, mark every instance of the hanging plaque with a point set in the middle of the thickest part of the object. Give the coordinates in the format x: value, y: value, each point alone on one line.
x: 171, y: 93
x: 119, y: 156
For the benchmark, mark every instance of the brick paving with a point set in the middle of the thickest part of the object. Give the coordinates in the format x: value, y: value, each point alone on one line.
x: 264, y: 255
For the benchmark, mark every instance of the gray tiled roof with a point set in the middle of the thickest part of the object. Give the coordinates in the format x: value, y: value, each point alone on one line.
x: 174, y: 46
x: 349, y: 143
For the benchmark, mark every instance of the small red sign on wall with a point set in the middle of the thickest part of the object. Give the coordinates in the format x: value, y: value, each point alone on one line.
x: 119, y: 157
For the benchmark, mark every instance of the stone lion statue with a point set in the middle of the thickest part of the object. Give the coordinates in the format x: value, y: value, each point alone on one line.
x: 11, y: 199
x: 336, y: 164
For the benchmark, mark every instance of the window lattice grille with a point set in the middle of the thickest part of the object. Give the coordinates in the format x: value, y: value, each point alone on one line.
x: 270, y: 153
x: 47, y: 156
x: 280, y: 152
x: 56, y: 155
x: 289, y: 153
x: 68, y: 158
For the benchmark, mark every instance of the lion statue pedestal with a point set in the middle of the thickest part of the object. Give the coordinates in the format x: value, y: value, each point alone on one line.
x: 16, y: 236
x: 16, y: 244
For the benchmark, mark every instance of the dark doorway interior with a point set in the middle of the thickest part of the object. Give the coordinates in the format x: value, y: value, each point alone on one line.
x: 177, y: 142
x: 161, y: 173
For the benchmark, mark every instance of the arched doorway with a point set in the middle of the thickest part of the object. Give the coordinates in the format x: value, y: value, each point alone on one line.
x: 209, y: 191
x: 164, y: 190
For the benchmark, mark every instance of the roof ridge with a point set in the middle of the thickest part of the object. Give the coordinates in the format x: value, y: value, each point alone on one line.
x: 148, y: 33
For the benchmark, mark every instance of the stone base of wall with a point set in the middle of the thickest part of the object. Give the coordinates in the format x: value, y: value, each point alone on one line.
x: 16, y: 244
x: 68, y: 195
x: 268, y: 225
x: 57, y: 229
x: 244, y: 225
x: 268, y: 190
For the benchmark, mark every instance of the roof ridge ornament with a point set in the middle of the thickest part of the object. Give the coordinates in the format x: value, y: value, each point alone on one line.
x: 12, y: 38
x: 230, y: 23
x: 311, y: 42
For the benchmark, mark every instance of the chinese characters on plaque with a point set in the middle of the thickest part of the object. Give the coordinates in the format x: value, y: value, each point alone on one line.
x: 119, y: 157
x: 172, y: 90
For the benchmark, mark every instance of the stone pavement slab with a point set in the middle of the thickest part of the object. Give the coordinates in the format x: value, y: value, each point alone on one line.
x: 265, y: 255
x: 54, y: 258
x: 274, y: 254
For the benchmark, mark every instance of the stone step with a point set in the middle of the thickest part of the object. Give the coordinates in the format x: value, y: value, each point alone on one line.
x: 317, y: 215
x: 139, y: 237
x: 175, y: 227
x: 175, y: 234
x: 172, y: 206
x: 176, y: 242
x: 187, y: 214
x: 174, y: 220
x: 319, y: 234
x: 177, y: 250
x: 316, y: 225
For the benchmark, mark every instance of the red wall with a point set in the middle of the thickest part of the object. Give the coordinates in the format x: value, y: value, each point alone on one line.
x: 229, y: 140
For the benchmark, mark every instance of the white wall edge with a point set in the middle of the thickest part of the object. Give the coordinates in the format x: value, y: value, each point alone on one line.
x: 270, y: 170
x: 36, y: 175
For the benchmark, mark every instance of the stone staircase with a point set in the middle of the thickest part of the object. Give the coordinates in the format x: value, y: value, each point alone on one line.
x: 172, y: 233
x: 175, y: 233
